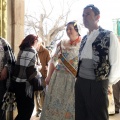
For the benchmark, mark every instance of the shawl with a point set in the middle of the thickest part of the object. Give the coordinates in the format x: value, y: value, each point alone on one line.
x: 26, y: 68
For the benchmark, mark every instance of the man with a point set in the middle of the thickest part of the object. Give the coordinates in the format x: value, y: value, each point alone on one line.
x: 7, y: 59
x: 116, y: 94
x: 99, y: 64
x: 44, y: 57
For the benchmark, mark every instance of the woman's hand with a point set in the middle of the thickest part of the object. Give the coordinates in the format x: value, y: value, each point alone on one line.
x: 39, y: 67
x: 47, y: 80
x: 50, y: 72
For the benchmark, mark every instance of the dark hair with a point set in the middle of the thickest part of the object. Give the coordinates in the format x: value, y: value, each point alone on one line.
x: 93, y: 8
x: 28, y: 41
x: 74, y: 23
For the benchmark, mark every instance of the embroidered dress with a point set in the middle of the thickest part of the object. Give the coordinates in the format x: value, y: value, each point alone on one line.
x: 59, y: 102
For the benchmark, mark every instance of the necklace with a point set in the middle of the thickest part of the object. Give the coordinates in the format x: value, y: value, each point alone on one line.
x: 75, y: 41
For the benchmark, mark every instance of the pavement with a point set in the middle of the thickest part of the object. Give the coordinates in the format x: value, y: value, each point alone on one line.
x: 113, y: 117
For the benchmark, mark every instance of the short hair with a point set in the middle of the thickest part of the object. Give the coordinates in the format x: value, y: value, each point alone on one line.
x: 93, y: 8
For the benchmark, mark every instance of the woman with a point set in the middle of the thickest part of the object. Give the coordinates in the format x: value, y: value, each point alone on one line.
x: 59, y: 102
x: 26, y: 70
x: 7, y: 60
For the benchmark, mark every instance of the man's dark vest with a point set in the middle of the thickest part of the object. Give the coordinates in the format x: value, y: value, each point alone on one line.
x: 100, y: 54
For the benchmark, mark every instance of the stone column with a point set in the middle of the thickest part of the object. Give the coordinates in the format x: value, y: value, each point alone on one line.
x: 3, y: 18
x: 0, y: 17
x: 15, y: 23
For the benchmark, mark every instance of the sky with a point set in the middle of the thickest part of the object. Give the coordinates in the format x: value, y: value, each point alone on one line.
x: 109, y: 9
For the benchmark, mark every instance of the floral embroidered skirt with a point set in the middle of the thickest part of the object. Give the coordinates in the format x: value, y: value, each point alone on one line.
x: 59, y: 103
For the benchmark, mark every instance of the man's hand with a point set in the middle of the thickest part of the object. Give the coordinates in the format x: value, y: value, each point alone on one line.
x: 109, y: 90
x: 3, y: 74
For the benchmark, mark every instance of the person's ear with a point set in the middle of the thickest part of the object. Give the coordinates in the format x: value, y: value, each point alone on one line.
x: 97, y: 17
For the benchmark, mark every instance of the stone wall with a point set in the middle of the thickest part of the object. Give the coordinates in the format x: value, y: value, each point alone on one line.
x: 15, y: 23
x: 3, y: 18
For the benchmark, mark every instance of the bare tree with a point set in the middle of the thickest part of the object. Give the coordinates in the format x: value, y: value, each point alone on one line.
x: 45, y: 26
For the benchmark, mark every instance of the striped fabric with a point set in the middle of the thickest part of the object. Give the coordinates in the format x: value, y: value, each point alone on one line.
x: 6, y: 54
x: 26, y: 69
x: 26, y: 65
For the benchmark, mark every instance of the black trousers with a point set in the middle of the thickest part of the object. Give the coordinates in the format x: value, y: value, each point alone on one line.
x: 116, y: 94
x: 2, y: 92
x: 25, y: 104
x: 91, y: 99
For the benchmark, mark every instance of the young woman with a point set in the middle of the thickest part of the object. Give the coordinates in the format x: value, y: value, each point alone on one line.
x: 59, y: 102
